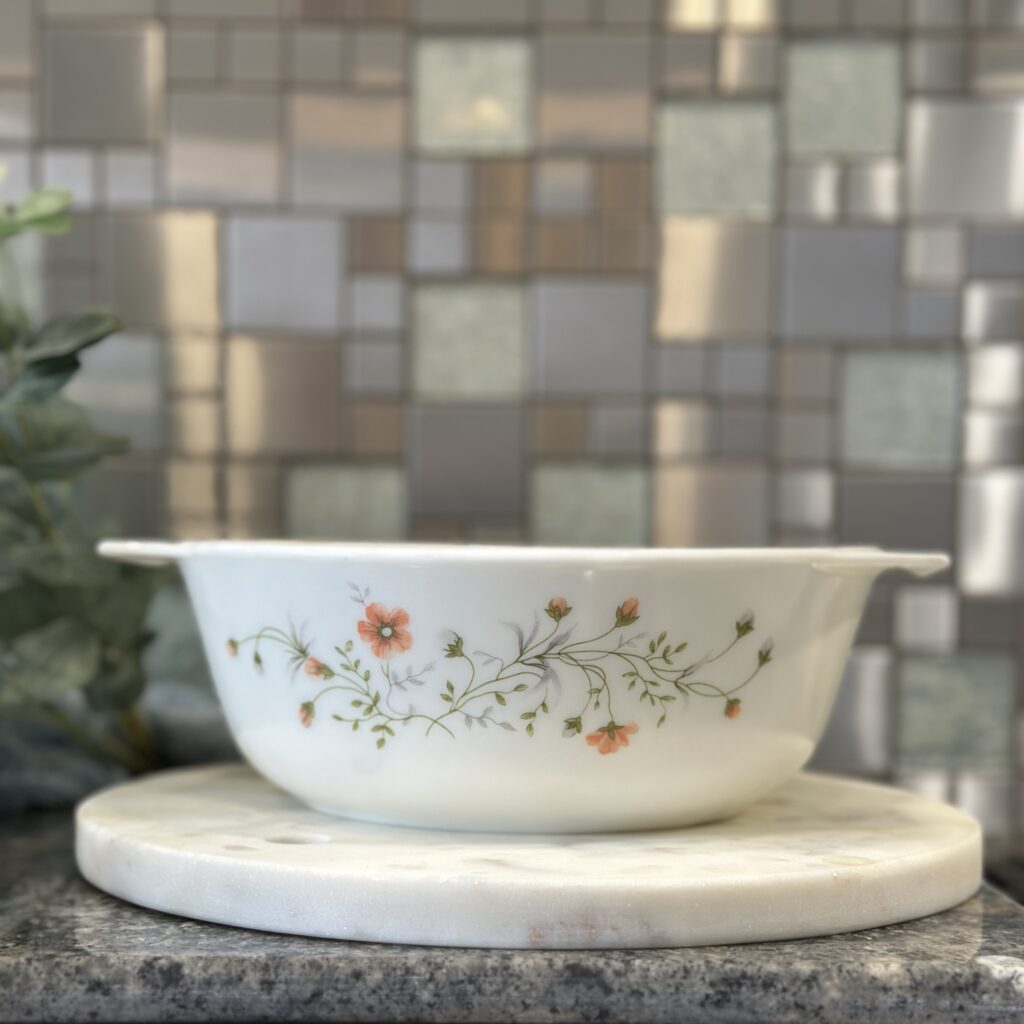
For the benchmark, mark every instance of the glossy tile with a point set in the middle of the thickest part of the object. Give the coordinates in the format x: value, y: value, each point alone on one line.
x: 927, y: 618
x: 469, y: 12
x: 192, y: 488
x: 812, y: 191
x: 192, y: 54
x: 17, y: 120
x: 373, y: 367
x: 874, y: 191
x: 997, y: 64
x: 989, y: 622
x: 17, y: 39
x: 933, y: 255
x: 222, y: 8
x: 558, y: 430
x: 468, y: 342
x: 805, y: 375
x: 714, y: 281
x: 997, y: 13
x: 804, y: 499
x: 993, y: 310
x: 473, y: 95
x: 687, y: 63
x: 915, y: 513
x: 995, y: 251
x: 579, y: 504
x: 318, y: 55
x: 161, y: 270
x: 741, y: 372
x: 961, y: 158
x: 587, y: 337
x: 995, y: 376
x: 377, y: 302
x: 222, y: 147
x: 283, y: 396
x: 437, y: 246
x: 748, y: 64
x: 103, y: 84
x: 956, y: 710
x: 900, y: 409
x: 565, y: 12
x: 562, y: 186
x: 682, y: 429
x: 346, y: 151
x: 377, y: 244
x: 378, y: 59
x: 129, y: 177
x: 282, y: 273
x: 937, y: 64
x: 339, y: 502
x: 716, y: 158
x: 618, y: 430
x: 992, y: 437
x: 254, y: 55
x: 594, y: 91
x: 839, y: 282
x: 752, y: 14
x: 991, y: 532
x: 467, y: 462
x: 711, y: 505
x: 253, y: 499
x: 441, y: 186
x: 679, y: 369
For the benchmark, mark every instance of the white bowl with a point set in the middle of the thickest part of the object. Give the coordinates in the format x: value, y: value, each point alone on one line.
x: 525, y: 689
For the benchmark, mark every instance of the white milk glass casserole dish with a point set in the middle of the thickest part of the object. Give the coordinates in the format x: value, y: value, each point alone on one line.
x: 525, y: 689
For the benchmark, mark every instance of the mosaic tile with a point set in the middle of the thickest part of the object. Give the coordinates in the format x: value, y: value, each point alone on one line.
x: 716, y: 158
x: 377, y: 428
x: 17, y: 39
x: 472, y: 95
x: 710, y: 505
x: 937, y: 13
x: 842, y: 98
x: 441, y: 186
x: 813, y: 14
x: 447, y: 476
x: 192, y: 54
x: 125, y: 498
x: 740, y: 371
x: 927, y: 618
x: 930, y: 314
x: 992, y: 437
x: 886, y: 14
x: 564, y: 244
x: 991, y: 532
x: 618, y: 431
x: 16, y: 178
x: 377, y: 302
x: 752, y: 14
x: 499, y: 246
x: 692, y: 15
x: 97, y: 83
x: 627, y: 12
x: 562, y: 186
x: 223, y: 147
x: 501, y: 186
x: 679, y: 369
x: 337, y: 502
x: 192, y: 362
x: 623, y: 187
x: 194, y: 426
x: 989, y: 622
x: 993, y: 251
x: 873, y: 191
x: 558, y: 430
x: 470, y: 12
x: 812, y: 191
x: 933, y: 254
x: 378, y: 59
x: 253, y: 498
x: 73, y: 169
x: 997, y: 14
x: 377, y: 244
x: 890, y: 511
x: 581, y: 504
x: 714, y: 280
x: 254, y: 55
x: 747, y: 64
x: 995, y: 376
x: 565, y: 12
x: 129, y: 177
x: 346, y: 151
x: 437, y: 246
x: 192, y: 487
x: 626, y: 247
x: 900, y: 409
x: 961, y: 158
x: 222, y: 8
x: 805, y: 375
x: 993, y: 310
x: 594, y: 91
x: 588, y: 337
x: 373, y: 367
x: 468, y: 342
x: 839, y: 282
x: 687, y: 63
x: 743, y: 432
x: 318, y: 55
x: 682, y: 429
x: 956, y: 710
x: 936, y: 64
x: 804, y: 498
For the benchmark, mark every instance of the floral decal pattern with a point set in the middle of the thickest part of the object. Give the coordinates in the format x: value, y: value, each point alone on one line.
x: 593, y: 676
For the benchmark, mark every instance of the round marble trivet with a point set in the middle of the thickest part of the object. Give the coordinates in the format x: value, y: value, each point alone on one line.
x: 822, y: 855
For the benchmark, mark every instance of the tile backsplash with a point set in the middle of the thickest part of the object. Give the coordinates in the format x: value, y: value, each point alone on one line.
x: 710, y: 272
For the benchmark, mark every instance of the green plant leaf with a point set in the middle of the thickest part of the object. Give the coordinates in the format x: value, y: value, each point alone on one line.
x: 64, y: 566
x: 25, y: 606
x: 39, y: 381
x: 118, y: 685
x: 54, y: 659
x: 42, y: 205
x: 66, y: 335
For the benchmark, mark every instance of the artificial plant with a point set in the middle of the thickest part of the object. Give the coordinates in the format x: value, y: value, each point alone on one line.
x: 71, y: 624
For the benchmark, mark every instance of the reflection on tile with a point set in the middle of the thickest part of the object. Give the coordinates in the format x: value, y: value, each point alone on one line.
x: 804, y: 436
x: 130, y: 177
x: 283, y: 273
x: 743, y: 431
x: 687, y: 63
x: 996, y: 376
x: 715, y: 280
x: 558, y: 430
x: 192, y: 54
x: 338, y: 502
x: 346, y: 151
x: 441, y: 186
x: 283, y: 396
x: 191, y: 487
x: 73, y: 169
x: 930, y: 314
x: 747, y: 64
x: 803, y: 498
x: 993, y: 310
x: 437, y: 246
x: 16, y: 120
x: 472, y: 95
x: 933, y: 254
x: 873, y: 190
x: 317, y: 55
x: 589, y: 504
x: 223, y: 147
x: 467, y: 461
x: 693, y: 15
x: 993, y: 438
x: 711, y: 505
x: 468, y: 342
x: 915, y: 513
x: 900, y: 409
x: 812, y: 191
x: 956, y: 710
x: 103, y: 84
x: 120, y: 384
x: 991, y: 525
x: 843, y: 98
x: 161, y: 269
x: 752, y: 14
x: 378, y: 59
x: 17, y: 44
x: 679, y: 369
x: 254, y: 55
x: 618, y: 430
x: 682, y: 430
x: 194, y: 425
x: 996, y: 252
x: 589, y: 337
x: 192, y: 363
x: 927, y: 618
x: 805, y: 375
x: 377, y: 302
x: 936, y: 64
x: 716, y: 158
x: 739, y: 371
x: 594, y: 91
x: 373, y: 367
x: 857, y: 737
x: 839, y: 282
x: 961, y: 158
x: 562, y: 186
x: 998, y: 64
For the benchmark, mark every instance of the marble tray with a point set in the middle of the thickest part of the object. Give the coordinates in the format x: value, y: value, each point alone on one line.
x: 823, y: 855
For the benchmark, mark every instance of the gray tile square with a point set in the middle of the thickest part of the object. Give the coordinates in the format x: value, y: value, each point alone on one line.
x: 254, y: 55
x: 739, y: 371
x: 926, y: 618
x: 437, y: 246
x: 192, y: 54
x: 993, y: 310
x: 377, y: 302
x: 618, y: 430
x: 468, y: 461
x: 687, y: 63
x: 97, y: 83
x: 129, y: 177
x: 916, y: 514
x: 346, y: 151
x: 441, y: 186
x: 878, y: 13
x: 933, y: 254
x: 839, y: 282
x: 998, y: 65
x: 283, y: 273
x: 318, y: 55
x: 805, y: 375
x: 373, y: 367
x: 378, y: 58
x: 874, y: 190
x: 930, y: 314
x: 223, y: 147
x: 589, y: 338
x: 16, y: 118
x: 17, y: 182
x: 744, y: 432
x: 582, y: 79
x: 73, y: 169
x: 936, y: 64
x: 992, y: 437
x: 679, y: 369
x: 937, y: 13
x: 804, y: 499
x: 17, y: 39
x: 813, y: 14
x: 991, y: 528
x: 996, y: 251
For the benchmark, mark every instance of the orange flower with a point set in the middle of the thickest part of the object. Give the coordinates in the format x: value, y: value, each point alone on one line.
x: 611, y: 737
x: 557, y: 608
x: 385, y: 630
x: 307, y: 711
x: 316, y: 669
x: 732, y: 707
x: 232, y: 648
x: 628, y: 612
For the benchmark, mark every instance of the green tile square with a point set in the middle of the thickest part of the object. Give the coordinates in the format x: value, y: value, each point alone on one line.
x: 584, y: 504
x: 900, y: 410
x: 717, y: 158
x: 843, y: 98
x: 468, y: 342
x: 957, y: 711
x: 341, y: 502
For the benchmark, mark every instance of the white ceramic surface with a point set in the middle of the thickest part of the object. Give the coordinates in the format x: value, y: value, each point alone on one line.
x: 525, y: 688
x: 822, y: 855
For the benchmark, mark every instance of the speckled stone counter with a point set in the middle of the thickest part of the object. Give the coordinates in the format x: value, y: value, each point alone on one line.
x: 69, y: 953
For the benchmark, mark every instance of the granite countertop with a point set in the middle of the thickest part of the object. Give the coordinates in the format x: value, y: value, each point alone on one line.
x: 70, y: 953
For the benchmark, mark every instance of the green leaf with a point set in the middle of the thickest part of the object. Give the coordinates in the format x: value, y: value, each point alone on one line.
x: 15, y: 530
x: 65, y: 566
x: 118, y: 685
x: 42, y: 205
x: 500, y: 698
x: 40, y: 381
x: 25, y: 606
x: 55, y: 659
x: 66, y: 335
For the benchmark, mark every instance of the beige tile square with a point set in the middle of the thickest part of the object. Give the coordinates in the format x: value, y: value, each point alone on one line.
x: 377, y: 428
x: 564, y: 245
x: 558, y: 430
x: 501, y: 186
x: 711, y: 505
x: 378, y: 244
x: 624, y: 186
x: 499, y: 245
